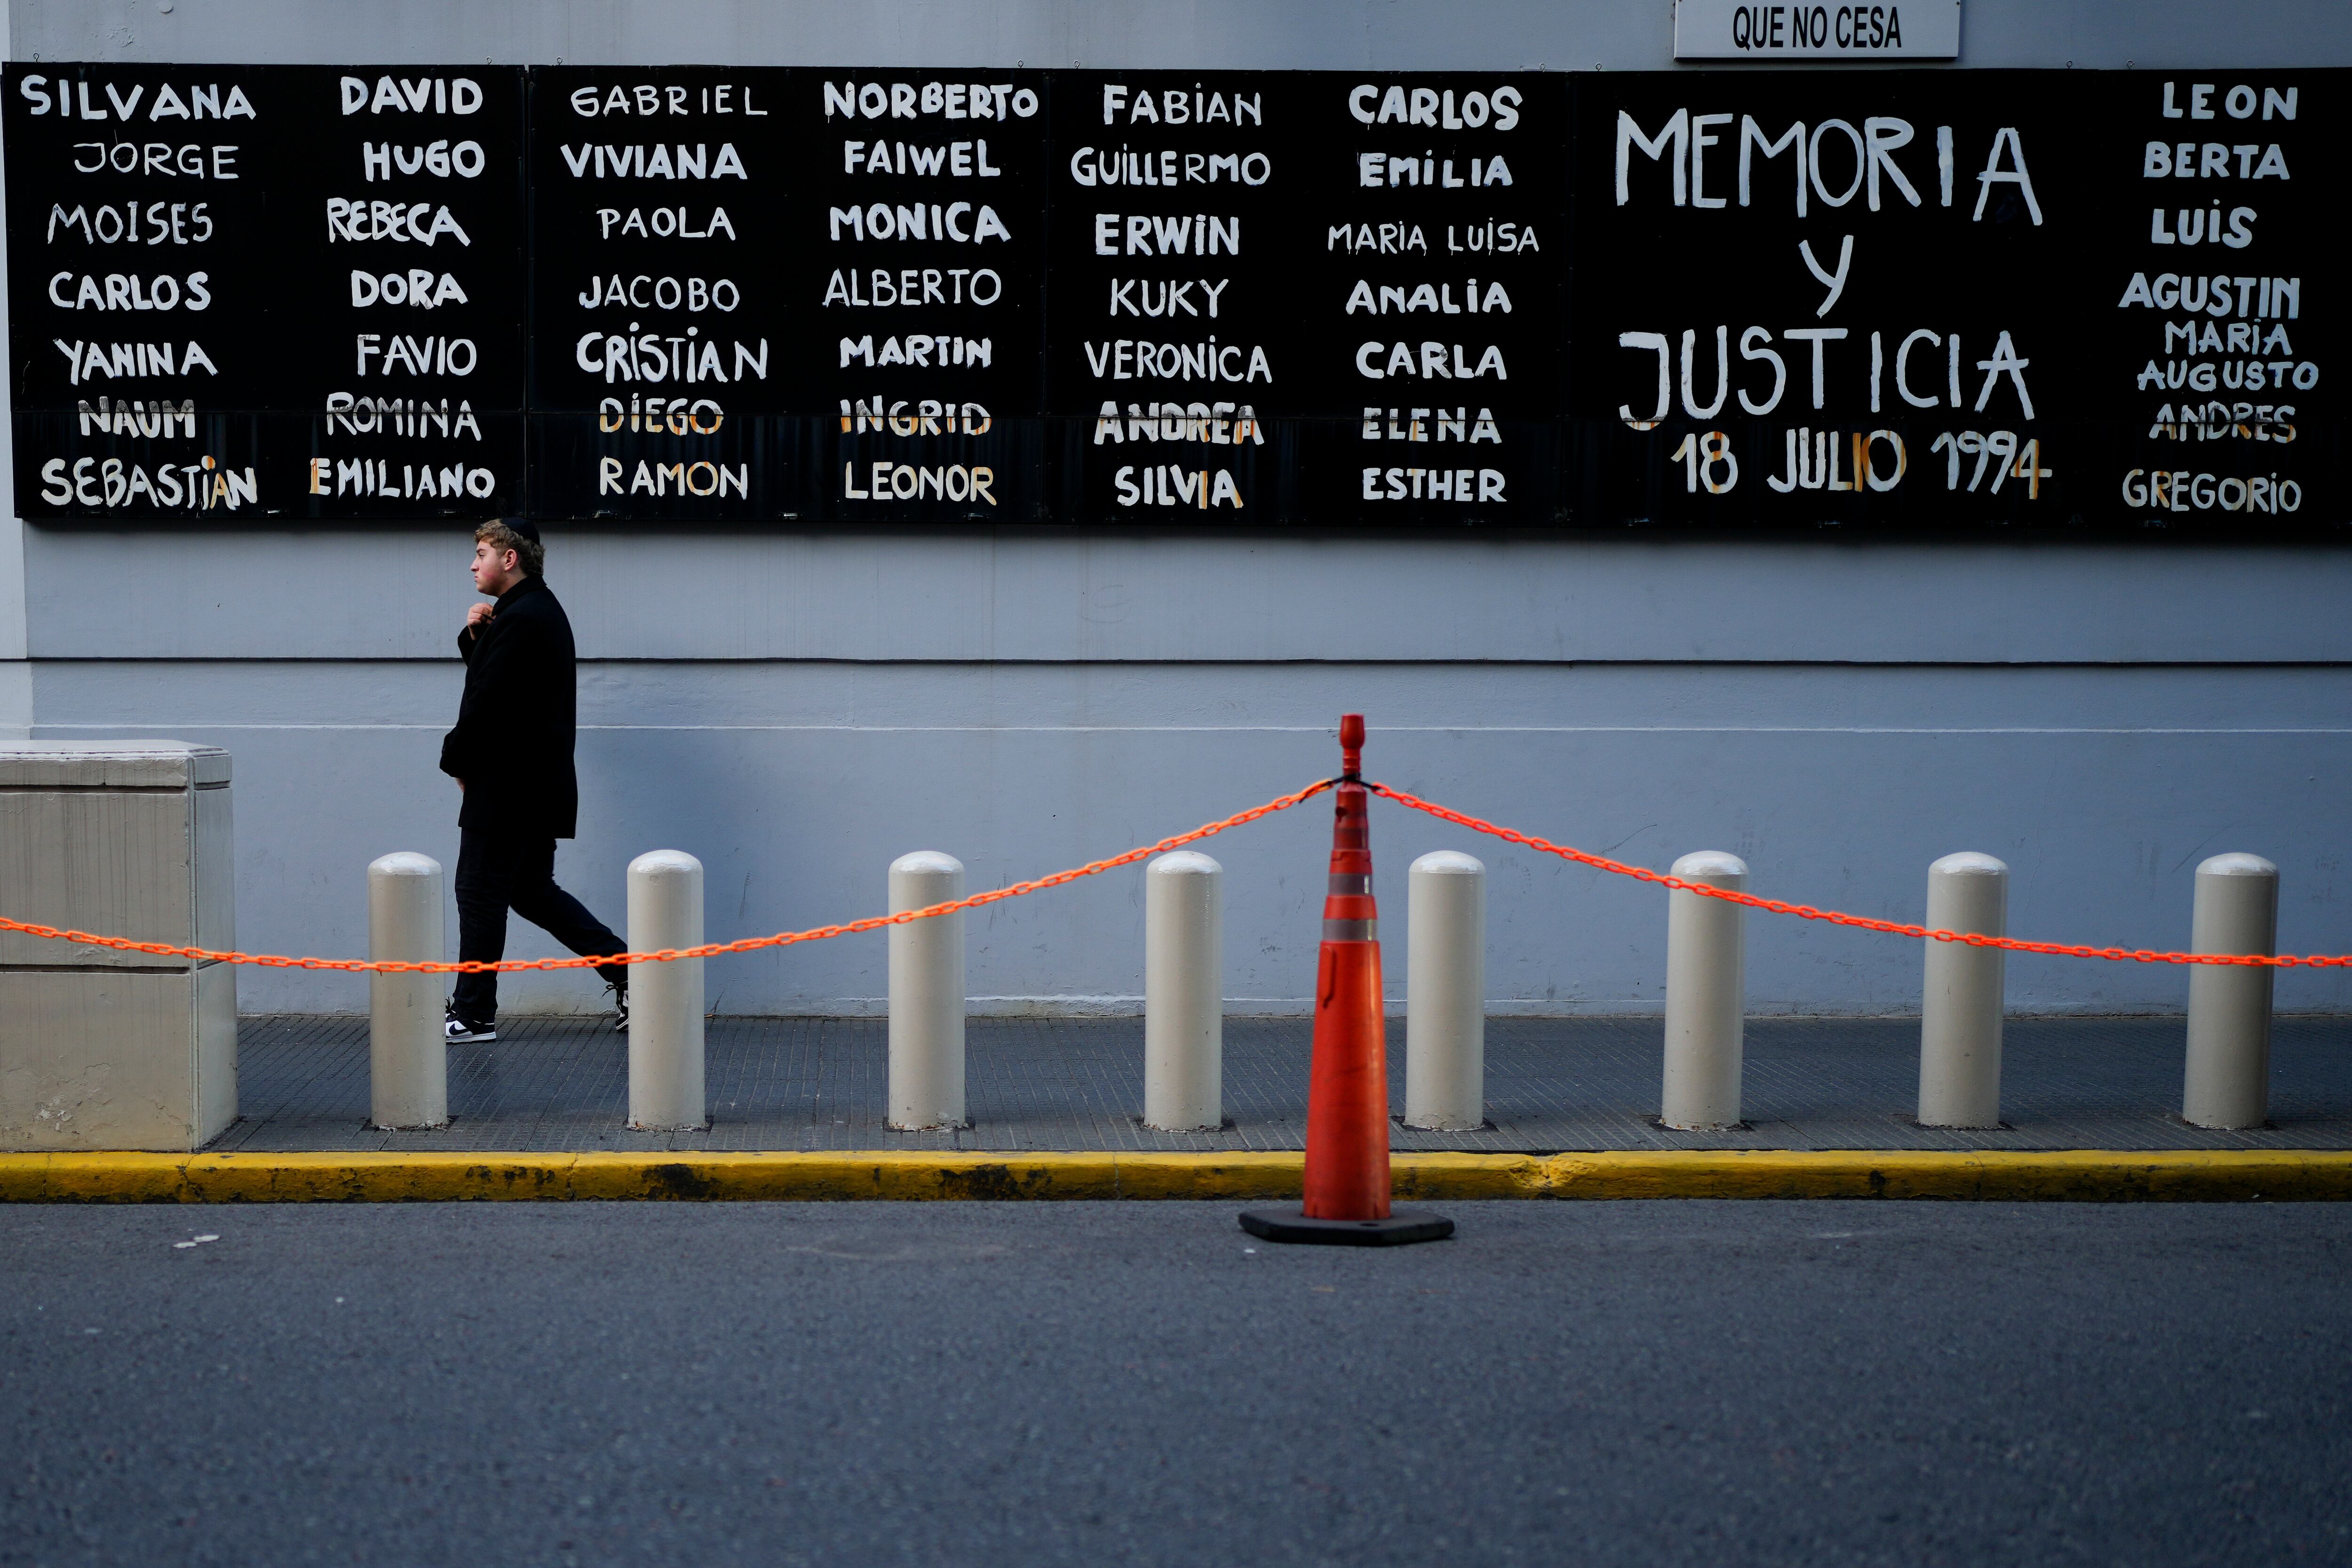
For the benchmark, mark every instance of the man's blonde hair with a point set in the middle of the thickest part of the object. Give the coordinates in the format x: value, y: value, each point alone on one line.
x: 529, y: 554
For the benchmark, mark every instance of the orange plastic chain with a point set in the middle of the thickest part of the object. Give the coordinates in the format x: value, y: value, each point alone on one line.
x: 709, y: 950
x: 1862, y: 922
x: 1094, y: 868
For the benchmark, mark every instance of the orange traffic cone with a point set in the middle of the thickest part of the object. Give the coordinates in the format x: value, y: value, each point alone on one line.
x: 1347, y: 1196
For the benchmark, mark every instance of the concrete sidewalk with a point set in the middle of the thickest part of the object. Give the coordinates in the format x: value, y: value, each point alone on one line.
x: 561, y: 1085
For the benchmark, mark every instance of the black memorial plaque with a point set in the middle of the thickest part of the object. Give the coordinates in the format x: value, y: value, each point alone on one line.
x: 1890, y: 301
x: 407, y: 355
x: 275, y: 291
x: 664, y: 246
x: 1305, y: 297
x: 1180, y: 359
x: 1895, y: 302
x: 2214, y: 315
x: 920, y: 241
x: 1440, y: 267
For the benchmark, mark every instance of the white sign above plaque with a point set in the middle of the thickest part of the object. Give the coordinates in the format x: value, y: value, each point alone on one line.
x: 1764, y: 30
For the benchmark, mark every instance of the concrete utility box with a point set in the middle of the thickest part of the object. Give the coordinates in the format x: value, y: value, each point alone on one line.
x: 101, y: 1048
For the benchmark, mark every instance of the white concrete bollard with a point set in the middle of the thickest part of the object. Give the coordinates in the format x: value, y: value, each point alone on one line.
x: 1446, y: 992
x: 927, y: 999
x: 1183, y: 994
x: 408, y: 1057
x: 2229, y: 1069
x: 666, y: 1089
x: 1707, y: 958
x: 1960, y: 1007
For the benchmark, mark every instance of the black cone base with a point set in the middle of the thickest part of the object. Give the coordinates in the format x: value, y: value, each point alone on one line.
x: 1402, y: 1227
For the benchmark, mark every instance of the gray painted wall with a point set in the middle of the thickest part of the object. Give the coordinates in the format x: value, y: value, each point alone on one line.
x: 1283, y: 35
x: 798, y: 708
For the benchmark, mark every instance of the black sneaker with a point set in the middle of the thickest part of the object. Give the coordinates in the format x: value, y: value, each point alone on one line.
x: 457, y: 1031
x: 619, y: 1008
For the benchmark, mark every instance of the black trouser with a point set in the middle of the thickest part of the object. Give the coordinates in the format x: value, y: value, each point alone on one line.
x: 500, y: 873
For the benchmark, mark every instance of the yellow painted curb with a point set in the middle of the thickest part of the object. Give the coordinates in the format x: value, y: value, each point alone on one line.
x: 2097, y: 1176
x: 2086, y: 1176
x: 848, y: 1175
x: 1236, y: 1173
x: 24, y: 1178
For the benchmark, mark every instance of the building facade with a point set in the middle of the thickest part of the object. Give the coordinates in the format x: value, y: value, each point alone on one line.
x: 798, y: 706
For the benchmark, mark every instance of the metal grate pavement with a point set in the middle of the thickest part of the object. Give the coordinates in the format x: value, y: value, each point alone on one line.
x: 561, y: 1084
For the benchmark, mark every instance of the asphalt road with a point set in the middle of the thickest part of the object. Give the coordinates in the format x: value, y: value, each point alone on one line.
x: 951, y: 1384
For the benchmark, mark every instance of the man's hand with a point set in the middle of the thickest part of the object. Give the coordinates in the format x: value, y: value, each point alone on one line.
x: 476, y: 613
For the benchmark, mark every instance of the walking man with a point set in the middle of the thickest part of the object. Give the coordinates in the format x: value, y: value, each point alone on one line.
x: 511, y: 756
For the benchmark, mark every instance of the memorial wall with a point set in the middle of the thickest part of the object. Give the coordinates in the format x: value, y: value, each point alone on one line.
x: 1032, y: 471
x: 1897, y: 303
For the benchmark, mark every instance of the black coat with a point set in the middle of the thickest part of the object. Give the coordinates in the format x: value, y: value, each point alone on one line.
x: 515, y: 727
